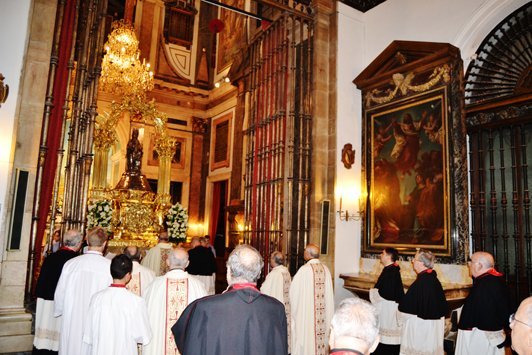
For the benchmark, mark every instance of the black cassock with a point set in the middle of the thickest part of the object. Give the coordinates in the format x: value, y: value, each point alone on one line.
x: 201, y: 261
x: 390, y: 284
x: 487, y: 305
x: 50, y: 272
x: 425, y: 297
x: 240, y: 321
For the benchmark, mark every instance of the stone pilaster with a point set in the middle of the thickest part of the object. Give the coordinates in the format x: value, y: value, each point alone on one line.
x: 324, y: 121
x: 15, y: 323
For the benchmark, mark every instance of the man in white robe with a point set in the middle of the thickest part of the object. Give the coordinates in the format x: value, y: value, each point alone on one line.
x: 80, y: 279
x: 141, y: 276
x: 47, y: 327
x: 117, y: 320
x: 155, y: 258
x: 166, y: 299
x: 277, y: 285
x: 312, y: 305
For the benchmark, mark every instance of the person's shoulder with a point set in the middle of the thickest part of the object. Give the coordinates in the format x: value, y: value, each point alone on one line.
x: 274, y: 302
x: 144, y: 269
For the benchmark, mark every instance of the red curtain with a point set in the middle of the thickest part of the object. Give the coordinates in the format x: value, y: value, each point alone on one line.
x: 55, y: 126
x: 215, y: 209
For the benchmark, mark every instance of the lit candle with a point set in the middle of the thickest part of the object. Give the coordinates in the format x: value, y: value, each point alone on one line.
x: 340, y: 203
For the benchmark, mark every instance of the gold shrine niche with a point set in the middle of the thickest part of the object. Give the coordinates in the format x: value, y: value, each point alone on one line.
x: 137, y: 211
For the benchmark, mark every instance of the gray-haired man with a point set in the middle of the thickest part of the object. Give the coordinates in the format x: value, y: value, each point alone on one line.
x: 240, y: 321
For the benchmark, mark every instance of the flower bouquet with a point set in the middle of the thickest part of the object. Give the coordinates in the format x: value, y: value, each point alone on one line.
x: 99, y: 214
x: 177, y: 223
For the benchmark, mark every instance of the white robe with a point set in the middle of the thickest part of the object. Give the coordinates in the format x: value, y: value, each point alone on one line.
x: 277, y: 285
x: 156, y: 257
x: 166, y: 298
x: 208, y: 282
x: 312, y: 305
x: 421, y: 336
x: 141, y: 278
x: 116, y: 322
x: 80, y: 279
x: 47, y: 326
x: 389, y: 328
x: 478, y: 341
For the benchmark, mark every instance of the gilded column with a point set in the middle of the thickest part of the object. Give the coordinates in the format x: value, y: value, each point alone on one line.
x: 104, y: 138
x: 165, y: 147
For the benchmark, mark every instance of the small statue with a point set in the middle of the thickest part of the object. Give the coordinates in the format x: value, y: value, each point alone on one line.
x: 134, y: 154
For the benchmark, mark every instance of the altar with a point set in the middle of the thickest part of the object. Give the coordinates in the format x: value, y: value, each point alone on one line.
x: 360, y: 283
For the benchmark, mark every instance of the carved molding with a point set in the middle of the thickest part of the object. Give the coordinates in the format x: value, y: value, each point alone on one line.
x: 506, y: 113
x: 403, y: 86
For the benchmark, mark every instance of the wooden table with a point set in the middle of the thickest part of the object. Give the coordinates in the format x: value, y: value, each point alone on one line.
x: 360, y: 284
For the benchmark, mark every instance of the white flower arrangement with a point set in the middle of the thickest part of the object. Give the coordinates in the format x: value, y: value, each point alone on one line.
x: 177, y: 223
x: 100, y: 214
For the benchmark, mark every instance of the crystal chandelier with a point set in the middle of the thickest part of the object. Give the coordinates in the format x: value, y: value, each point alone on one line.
x: 122, y: 71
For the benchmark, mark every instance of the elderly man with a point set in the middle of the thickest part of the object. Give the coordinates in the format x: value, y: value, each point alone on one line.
x: 141, y: 276
x: 46, y: 325
x: 240, y: 321
x: 386, y: 296
x: 423, y: 309
x: 521, y: 324
x: 354, y: 328
x: 117, y: 319
x: 80, y: 279
x: 155, y: 258
x: 202, y: 264
x: 485, y: 311
x: 277, y: 285
x: 312, y: 305
x: 166, y: 298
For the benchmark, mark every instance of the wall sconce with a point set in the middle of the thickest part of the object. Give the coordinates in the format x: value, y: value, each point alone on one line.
x: 346, y: 216
x: 4, y: 90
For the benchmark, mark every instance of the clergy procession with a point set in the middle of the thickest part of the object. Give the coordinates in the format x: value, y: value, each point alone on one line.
x: 115, y: 304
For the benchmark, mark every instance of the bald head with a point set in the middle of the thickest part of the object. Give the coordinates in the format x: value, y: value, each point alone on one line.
x: 194, y: 242
x: 311, y: 252
x: 132, y: 252
x: 97, y: 238
x: 244, y: 265
x: 277, y: 259
x: 177, y: 259
x: 522, y: 327
x: 481, y: 262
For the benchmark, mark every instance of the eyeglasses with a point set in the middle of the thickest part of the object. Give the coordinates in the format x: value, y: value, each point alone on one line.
x: 512, y: 319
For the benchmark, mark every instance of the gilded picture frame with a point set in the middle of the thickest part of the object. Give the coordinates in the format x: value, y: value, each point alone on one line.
x: 407, y: 166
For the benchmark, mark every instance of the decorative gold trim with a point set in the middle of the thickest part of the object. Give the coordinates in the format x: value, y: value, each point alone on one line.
x: 402, y: 84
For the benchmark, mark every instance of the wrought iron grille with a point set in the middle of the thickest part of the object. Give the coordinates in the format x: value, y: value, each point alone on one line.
x: 278, y: 136
x: 499, y: 122
x: 500, y: 160
x: 502, y: 63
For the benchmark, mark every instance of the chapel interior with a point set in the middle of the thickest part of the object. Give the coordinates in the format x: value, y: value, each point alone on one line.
x: 267, y: 120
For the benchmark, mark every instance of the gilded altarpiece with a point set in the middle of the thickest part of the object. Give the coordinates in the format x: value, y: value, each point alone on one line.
x: 413, y: 147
